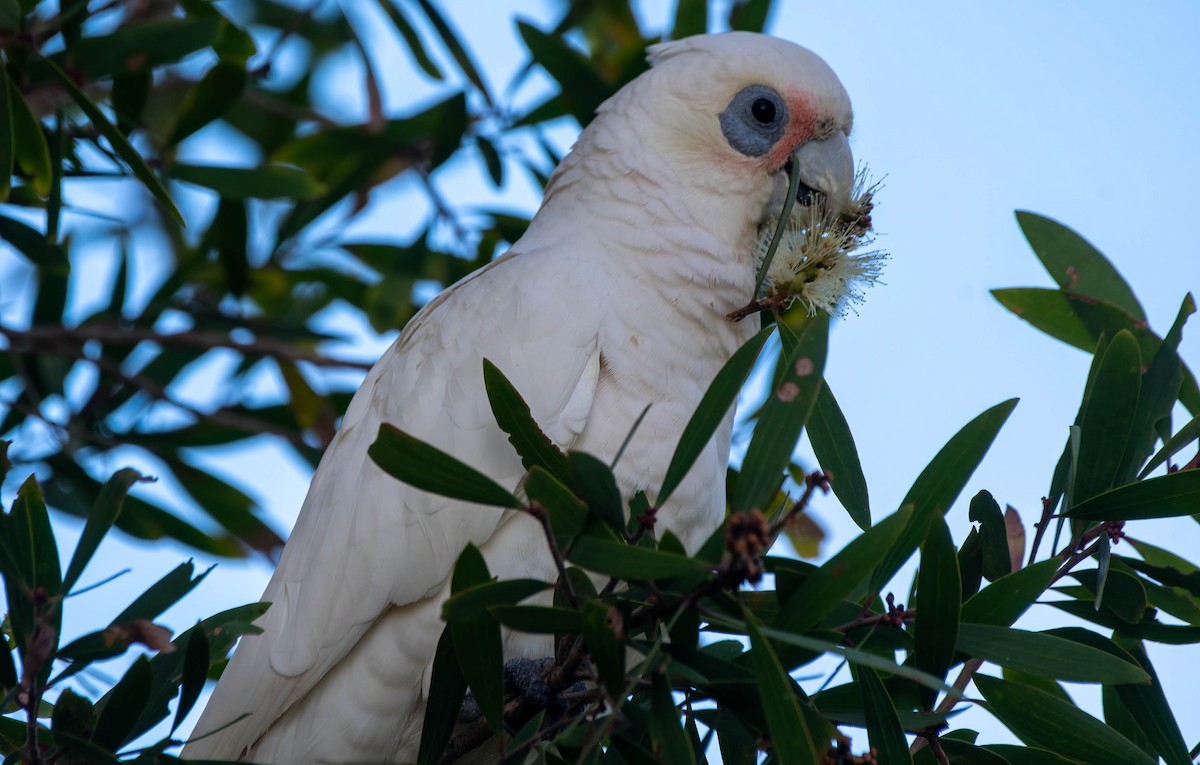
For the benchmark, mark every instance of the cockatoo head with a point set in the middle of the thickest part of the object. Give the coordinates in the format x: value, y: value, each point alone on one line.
x: 746, y: 104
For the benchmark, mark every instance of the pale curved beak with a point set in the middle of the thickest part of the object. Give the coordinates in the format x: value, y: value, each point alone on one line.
x: 827, y: 167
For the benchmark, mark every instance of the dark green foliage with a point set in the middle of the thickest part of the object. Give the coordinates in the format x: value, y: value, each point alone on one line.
x: 683, y: 659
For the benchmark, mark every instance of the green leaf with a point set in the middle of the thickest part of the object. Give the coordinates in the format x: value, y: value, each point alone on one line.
x: 118, y: 142
x: 539, y: 620
x: 784, y: 413
x: 825, y: 589
x: 32, y: 152
x: 691, y: 18
x: 602, y: 625
x: 1161, y: 384
x: 858, y: 656
x: 412, y: 40
x: 104, y: 514
x: 1164, y: 496
x: 939, y: 596
x: 122, y: 706
x: 581, y: 89
x: 209, y: 100
x: 514, y: 418
x: 595, y: 484
x: 163, y: 594
x: 883, y: 724
x: 1021, y: 755
x: 834, y: 448
x: 566, y: 513
x: 940, y: 483
x: 140, y: 45
x: 195, y: 673
x: 669, y: 738
x: 1123, y: 593
x: 1046, y: 655
x: 430, y: 469
x: 73, y: 714
x: 477, y: 642
x: 267, y: 182
x: 1108, y: 417
x: 471, y: 601
x: 712, y: 410
x: 612, y: 557
x: 446, y: 692
x: 29, y: 562
x: 7, y: 140
x: 791, y: 739
x: 1149, y: 707
x: 1186, y: 435
x: 1075, y: 264
x: 1003, y: 601
x: 457, y: 51
x: 993, y: 536
x: 749, y: 15
x: 1041, y: 720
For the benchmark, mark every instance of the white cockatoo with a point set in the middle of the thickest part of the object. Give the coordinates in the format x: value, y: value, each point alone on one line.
x: 616, y: 297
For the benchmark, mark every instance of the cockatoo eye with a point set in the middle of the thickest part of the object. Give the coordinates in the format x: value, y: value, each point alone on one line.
x: 763, y: 111
x: 754, y: 120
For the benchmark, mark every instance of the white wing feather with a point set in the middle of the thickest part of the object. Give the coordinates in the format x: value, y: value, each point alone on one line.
x: 364, y: 542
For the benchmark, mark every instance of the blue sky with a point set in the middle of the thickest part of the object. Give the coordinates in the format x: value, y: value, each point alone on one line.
x: 1085, y: 112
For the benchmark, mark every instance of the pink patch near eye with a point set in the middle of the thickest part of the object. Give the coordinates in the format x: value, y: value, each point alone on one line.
x: 802, y: 125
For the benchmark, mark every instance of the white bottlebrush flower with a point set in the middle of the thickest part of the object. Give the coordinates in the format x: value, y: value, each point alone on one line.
x: 823, y: 261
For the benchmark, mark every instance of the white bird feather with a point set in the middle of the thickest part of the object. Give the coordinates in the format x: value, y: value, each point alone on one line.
x: 615, y: 298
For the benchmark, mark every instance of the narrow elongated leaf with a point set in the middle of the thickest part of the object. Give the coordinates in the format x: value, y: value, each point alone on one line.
x: 1161, y: 383
x: 477, y: 642
x: 457, y: 51
x: 471, y: 601
x: 1186, y: 435
x: 541, y: 620
x: 669, y: 738
x: 428, y: 468
x: 1148, y: 706
x: 582, y: 89
x: 691, y: 18
x: 595, y: 484
x: 1107, y: 420
x: 791, y: 739
x: 1046, y: 655
x: 601, y: 629
x: 1076, y: 264
x: 8, y: 141
x: 825, y: 589
x: 883, y: 724
x: 784, y: 413
x: 750, y: 15
x: 615, y: 558
x: 118, y: 141
x: 446, y: 691
x: 567, y: 513
x: 1022, y: 755
x: 209, y: 99
x: 1050, y: 723
x: 121, y: 706
x: 32, y: 152
x: 713, y: 408
x: 29, y: 562
x: 834, y: 448
x: 100, y: 520
x: 858, y: 656
x: 1164, y: 496
x: 266, y: 182
x: 163, y: 594
x: 993, y: 540
x: 940, y: 483
x: 514, y: 418
x: 939, y: 597
x: 412, y: 40
x: 1003, y: 601
x: 195, y: 673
